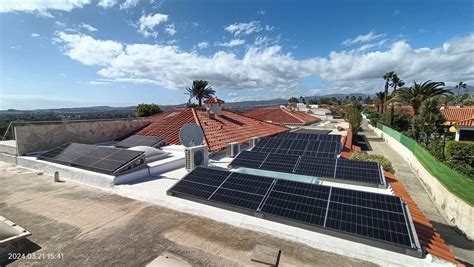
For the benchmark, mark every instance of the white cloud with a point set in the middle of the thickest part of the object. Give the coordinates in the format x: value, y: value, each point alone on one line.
x: 231, y: 43
x: 244, y: 28
x: 149, y: 22
x: 369, y: 46
x: 107, y: 3
x: 88, y: 27
x: 129, y: 4
x: 170, y: 29
x: 40, y: 7
x: 362, y: 38
x: 203, y: 45
x: 270, y: 68
x: 35, y: 35
x: 88, y: 50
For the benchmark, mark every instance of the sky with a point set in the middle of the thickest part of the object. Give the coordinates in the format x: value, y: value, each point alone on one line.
x: 78, y: 53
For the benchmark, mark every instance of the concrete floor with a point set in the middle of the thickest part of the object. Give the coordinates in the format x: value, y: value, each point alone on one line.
x: 92, y: 227
x: 462, y: 247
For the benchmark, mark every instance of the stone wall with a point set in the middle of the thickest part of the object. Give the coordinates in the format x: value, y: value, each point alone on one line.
x: 44, y: 136
x: 457, y: 212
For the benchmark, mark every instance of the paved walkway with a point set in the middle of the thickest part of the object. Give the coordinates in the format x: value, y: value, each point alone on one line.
x: 462, y: 247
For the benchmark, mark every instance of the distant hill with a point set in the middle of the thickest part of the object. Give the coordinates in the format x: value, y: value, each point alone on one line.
x: 469, y: 89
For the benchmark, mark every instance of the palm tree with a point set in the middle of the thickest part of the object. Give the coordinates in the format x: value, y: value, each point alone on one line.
x: 419, y: 92
x: 387, y: 77
x: 395, y: 82
x: 380, y: 101
x: 460, y: 85
x: 200, y: 90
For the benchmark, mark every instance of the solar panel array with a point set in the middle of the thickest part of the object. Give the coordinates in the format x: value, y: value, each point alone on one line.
x: 139, y: 140
x: 359, y: 172
x: 100, y: 159
x: 287, y: 146
x: 355, y: 215
x: 291, y: 143
x: 309, y: 136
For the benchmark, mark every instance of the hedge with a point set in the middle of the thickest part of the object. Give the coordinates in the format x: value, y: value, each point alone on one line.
x: 460, y: 156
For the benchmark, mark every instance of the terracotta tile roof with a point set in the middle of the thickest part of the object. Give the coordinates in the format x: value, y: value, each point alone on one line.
x: 281, y: 116
x: 218, y: 131
x: 468, y: 122
x: 454, y: 114
x: 214, y: 100
x: 429, y: 238
x: 168, y: 124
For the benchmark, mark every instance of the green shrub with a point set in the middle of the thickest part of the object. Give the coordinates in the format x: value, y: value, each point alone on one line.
x: 373, y: 118
x: 386, y: 164
x: 145, y: 110
x: 460, y: 156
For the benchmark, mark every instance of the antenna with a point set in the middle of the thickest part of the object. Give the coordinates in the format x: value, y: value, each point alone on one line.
x: 191, y: 135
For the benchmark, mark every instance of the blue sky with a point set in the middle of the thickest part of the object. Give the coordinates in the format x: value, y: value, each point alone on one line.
x: 70, y: 53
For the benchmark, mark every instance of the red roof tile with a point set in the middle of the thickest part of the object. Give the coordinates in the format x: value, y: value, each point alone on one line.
x: 454, y: 114
x: 214, y: 100
x: 218, y: 131
x: 281, y: 116
x: 468, y: 122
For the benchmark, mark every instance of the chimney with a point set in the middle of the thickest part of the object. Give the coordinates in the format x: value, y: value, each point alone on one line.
x: 214, y: 106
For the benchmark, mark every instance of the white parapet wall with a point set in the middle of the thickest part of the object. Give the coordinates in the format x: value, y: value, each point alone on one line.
x: 457, y: 212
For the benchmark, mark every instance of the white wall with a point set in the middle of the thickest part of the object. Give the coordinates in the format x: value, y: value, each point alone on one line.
x: 457, y: 212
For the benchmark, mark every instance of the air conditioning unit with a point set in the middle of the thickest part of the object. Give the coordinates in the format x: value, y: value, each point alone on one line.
x: 196, y: 156
x: 233, y: 149
x: 253, y: 142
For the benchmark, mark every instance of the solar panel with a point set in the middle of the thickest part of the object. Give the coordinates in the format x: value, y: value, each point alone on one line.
x: 309, y: 136
x: 369, y: 215
x: 100, y: 159
x: 298, y: 147
x: 139, y: 140
x: 370, y: 218
x: 319, y: 164
x: 362, y: 171
x: 238, y: 190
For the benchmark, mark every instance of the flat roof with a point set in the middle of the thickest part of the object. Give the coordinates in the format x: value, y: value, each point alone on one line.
x: 90, y: 226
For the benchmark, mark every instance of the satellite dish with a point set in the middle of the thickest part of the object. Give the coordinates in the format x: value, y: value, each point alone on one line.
x: 191, y: 135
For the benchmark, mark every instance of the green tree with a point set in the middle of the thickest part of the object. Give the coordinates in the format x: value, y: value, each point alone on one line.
x: 387, y: 77
x: 461, y: 85
x: 380, y: 101
x: 200, y: 90
x: 293, y: 100
x: 429, y: 123
x: 394, y: 83
x: 145, y: 110
x: 302, y: 100
x: 419, y: 92
x: 354, y: 117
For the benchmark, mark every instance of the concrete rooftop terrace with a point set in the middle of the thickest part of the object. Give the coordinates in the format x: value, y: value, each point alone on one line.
x: 90, y: 226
